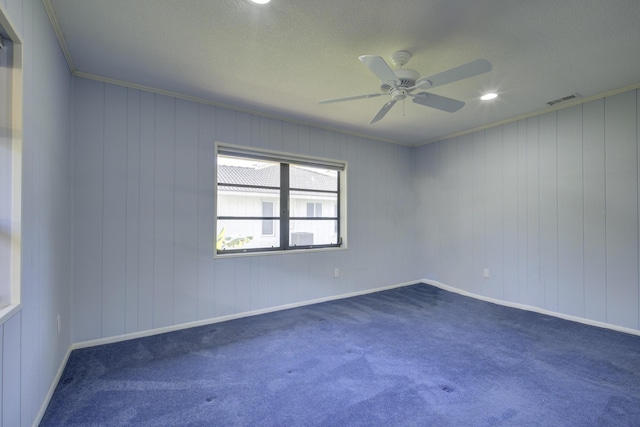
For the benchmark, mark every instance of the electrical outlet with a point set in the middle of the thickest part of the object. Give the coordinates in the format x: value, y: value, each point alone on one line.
x: 336, y: 272
x: 485, y: 273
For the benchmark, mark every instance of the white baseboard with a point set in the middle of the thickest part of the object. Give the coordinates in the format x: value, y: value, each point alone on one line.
x: 156, y: 331
x: 533, y: 308
x: 52, y: 388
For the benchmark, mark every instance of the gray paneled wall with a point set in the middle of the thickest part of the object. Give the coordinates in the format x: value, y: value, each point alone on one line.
x: 548, y: 204
x: 143, y: 214
x: 31, y: 349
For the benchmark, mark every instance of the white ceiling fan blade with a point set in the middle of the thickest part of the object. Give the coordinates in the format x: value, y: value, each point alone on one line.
x: 380, y: 68
x: 461, y: 72
x: 350, y: 98
x: 439, y: 102
x: 383, y: 111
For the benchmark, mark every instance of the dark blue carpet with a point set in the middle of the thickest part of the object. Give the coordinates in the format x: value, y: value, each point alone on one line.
x: 412, y: 356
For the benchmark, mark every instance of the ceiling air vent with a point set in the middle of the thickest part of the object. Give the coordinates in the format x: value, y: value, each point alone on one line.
x: 564, y: 99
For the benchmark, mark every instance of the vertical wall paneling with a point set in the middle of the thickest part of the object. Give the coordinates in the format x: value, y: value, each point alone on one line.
x: 2, y: 368
x: 275, y: 135
x: 147, y: 219
x: 205, y: 208
x: 554, y: 210
x: 164, y: 209
x: 30, y: 349
x: 593, y: 149
x: 449, y: 212
x: 88, y: 199
x: 226, y: 126
x: 132, y: 224
x: 510, y: 212
x: 243, y: 128
x: 428, y: 208
x: 290, y: 137
x: 503, y: 199
x: 548, y: 168
x: 570, y: 212
x: 259, y: 132
x: 523, y: 219
x: 621, y: 179
x: 293, y: 285
x: 114, y: 213
x: 355, y: 208
x: 493, y: 212
x: 535, y: 289
x: 328, y: 142
x: 465, y: 211
x: 10, y: 363
x: 479, y: 200
x: 186, y: 213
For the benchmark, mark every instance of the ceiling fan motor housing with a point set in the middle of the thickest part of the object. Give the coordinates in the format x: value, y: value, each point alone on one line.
x: 405, y: 76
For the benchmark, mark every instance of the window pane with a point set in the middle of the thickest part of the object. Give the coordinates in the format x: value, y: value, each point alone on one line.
x: 312, y: 232
x: 245, y: 203
x: 244, y: 234
x: 267, y: 224
x: 303, y: 177
x: 248, y: 172
x: 314, y: 205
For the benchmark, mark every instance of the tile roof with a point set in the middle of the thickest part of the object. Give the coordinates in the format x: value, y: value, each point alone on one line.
x: 270, y: 177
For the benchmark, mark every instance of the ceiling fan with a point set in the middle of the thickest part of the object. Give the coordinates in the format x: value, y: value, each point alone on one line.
x: 401, y: 83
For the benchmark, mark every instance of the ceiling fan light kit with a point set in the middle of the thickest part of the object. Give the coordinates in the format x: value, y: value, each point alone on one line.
x: 400, y: 83
x: 489, y: 96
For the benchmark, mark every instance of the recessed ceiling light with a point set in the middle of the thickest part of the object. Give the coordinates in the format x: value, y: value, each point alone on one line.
x: 261, y: 1
x: 488, y: 96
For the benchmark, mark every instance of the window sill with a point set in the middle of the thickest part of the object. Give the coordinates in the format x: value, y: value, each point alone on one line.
x: 7, y: 312
x: 266, y: 253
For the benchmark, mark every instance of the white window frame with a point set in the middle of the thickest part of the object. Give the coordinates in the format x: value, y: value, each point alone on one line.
x: 14, y: 225
x: 251, y: 152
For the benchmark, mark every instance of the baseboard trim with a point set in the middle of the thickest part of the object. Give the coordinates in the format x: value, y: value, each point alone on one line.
x: 533, y: 308
x: 172, y: 328
x: 52, y: 388
x: 156, y: 331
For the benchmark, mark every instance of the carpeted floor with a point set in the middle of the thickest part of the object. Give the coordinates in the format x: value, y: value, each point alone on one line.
x: 412, y: 356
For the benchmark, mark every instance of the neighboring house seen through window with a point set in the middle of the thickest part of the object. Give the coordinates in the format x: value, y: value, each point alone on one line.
x: 267, y: 224
x: 268, y: 201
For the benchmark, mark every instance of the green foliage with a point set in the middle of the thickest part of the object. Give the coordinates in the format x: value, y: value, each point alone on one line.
x: 223, y: 242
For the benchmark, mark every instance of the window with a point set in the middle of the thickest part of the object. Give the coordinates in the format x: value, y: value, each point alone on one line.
x: 10, y: 166
x: 267, y: 224
x: 314, y: 209
x: 267, y: 201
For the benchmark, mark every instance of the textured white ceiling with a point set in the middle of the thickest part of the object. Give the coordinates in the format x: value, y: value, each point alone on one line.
x: 282, y: 58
